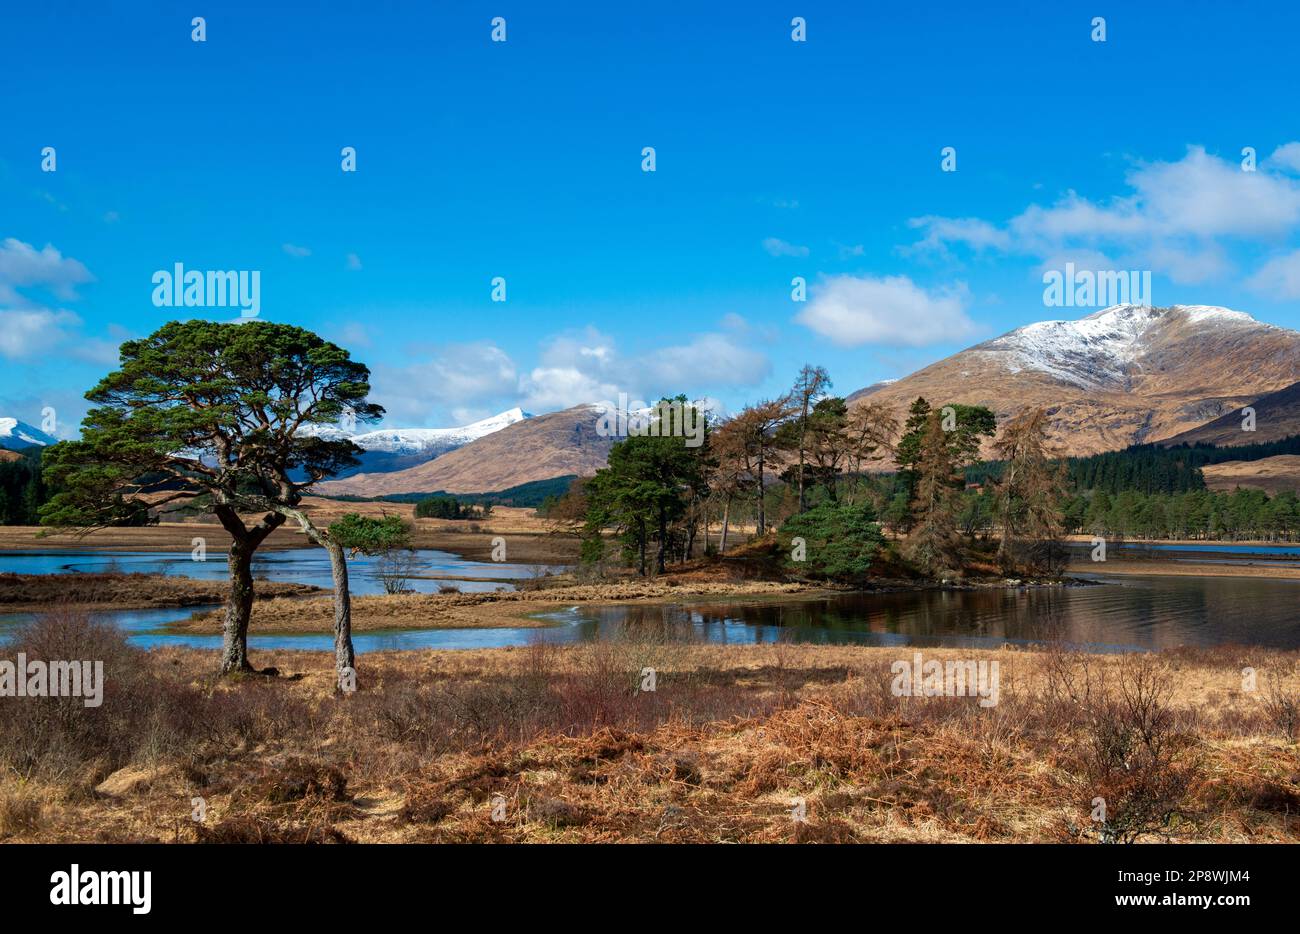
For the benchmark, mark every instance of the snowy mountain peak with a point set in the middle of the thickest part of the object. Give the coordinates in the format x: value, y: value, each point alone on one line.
x: 16, y: 435
x: 711, y: 407
x: 1199, y: 314
x: 1196, y: 314
x: 1098, y: 351
x: 422, y: 440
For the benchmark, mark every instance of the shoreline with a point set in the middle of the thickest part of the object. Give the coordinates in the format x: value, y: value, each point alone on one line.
x: 106, y: 592
x: 1171, y: 568
x: 493, y: 610
x: 524, y: 609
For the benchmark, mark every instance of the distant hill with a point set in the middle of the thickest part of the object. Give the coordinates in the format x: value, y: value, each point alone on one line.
x: 1271, y: 474
x: 1125, y: 375
x: 543, y: 447
x: 1277, y: 416
x: 526, y: 495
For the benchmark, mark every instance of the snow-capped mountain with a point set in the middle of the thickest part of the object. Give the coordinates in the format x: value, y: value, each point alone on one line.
x: 1123, y: 375
x: 1099, y: 351
x: 16, y: 435
x: 713, y: 409
x: 392, y: 449
x: 422, y: 440
x: 556, y: 444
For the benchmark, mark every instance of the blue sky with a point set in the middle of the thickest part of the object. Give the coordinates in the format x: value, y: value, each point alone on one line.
x: 522, y: 159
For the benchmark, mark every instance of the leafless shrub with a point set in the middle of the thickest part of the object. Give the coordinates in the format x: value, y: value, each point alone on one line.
x: 1072, y: 681
x: 57, y: 736
x: 1282, y: 707
x: 396, y: 568
x: 539, y: 578
x: 1135, y: 757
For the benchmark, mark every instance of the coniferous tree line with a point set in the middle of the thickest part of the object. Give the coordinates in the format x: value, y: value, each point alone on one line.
x: 1201, y: 515
x: 1195, y: 515
x: 22, y: 492
x: 1149, y: 468
x: 448, y: 507
x: 1144, y: 469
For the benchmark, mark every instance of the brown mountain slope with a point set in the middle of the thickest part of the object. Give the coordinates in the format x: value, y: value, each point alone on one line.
x: 539, y: 448
x: 1277, y: 416
x: 1124, y: 375
x: 1270, y: 474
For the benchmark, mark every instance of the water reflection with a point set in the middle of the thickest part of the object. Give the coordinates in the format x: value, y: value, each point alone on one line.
x: 1122, y: 613
x: 299, y: 565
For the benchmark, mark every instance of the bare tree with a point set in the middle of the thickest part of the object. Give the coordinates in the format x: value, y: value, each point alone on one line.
x: 757, y: 425
x: 732, y: 478
x: 870, y: 430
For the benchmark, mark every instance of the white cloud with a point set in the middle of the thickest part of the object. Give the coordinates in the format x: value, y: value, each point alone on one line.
x: 457, y: 376
x: 575, y: 367
x: 1200, y: 195
x: 94, y: 350
x: 560, y: 387
x: 29, y: 329
x: 296, y: 251
x: 466, y: 382
x: 892, y: 310
x: 1191, y: 265
x: 705, y: 359
x: 1176, y: 219
x: 1279, y: 277
x: 22, y: 266
x: 1207, y: 196
x: 1091, y: 260
x: 778, y: 247
x: 585, y: 366
x: 1286, y: 157
x: 941, y: 231
x: 30, y: 332
x: 353, y: 262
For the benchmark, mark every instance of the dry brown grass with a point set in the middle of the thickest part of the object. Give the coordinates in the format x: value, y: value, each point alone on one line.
x: 20, y: 811
x: 453, y: 610
x: 563, y: 746
x: 39, y: 592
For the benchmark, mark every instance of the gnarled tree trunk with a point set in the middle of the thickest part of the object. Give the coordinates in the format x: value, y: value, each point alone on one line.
x: 239, y: 607
x: 344, y: 656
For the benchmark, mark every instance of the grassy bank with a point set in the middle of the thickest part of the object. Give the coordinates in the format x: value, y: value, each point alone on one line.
x: 474, y: 610
x: 563, y: 746
x: 1169, y: 568
x: 31, y: 593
